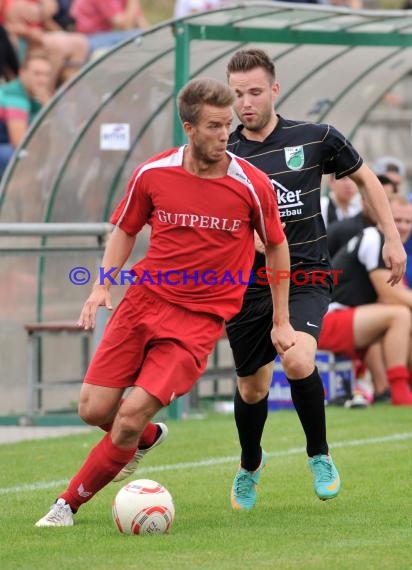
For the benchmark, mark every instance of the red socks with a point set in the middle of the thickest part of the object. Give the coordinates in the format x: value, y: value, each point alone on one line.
x: 102, y: 464
x: 398, y: 378
x: 147, y: 438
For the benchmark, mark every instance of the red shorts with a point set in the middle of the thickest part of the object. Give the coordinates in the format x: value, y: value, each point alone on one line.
x: 337, y: 333
x: 154, y: 344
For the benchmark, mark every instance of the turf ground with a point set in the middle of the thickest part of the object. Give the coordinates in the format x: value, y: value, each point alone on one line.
x: 367, y: 527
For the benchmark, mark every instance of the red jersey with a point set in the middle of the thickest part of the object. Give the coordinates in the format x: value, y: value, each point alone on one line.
x: 201, y: 248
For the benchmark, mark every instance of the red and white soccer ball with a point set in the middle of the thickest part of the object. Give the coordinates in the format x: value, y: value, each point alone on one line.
x: 143, y: 507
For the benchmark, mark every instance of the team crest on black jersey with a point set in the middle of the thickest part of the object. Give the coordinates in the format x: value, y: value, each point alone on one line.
x: 295, y: 157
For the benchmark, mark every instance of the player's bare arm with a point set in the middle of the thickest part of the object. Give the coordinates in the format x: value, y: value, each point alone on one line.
x: 117, y: 252
x: 277, y: 260
x: 393, y: 251
x: 259, y: 245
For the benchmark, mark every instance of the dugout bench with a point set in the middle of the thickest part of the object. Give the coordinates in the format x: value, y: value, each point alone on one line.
x: 36, y: 333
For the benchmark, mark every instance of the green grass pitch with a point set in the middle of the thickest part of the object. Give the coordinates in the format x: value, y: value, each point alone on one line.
x: 367, y: 527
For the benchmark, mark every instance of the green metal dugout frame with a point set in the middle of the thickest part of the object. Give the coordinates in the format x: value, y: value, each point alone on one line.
x: 186, y: 32
x: 334, y: 65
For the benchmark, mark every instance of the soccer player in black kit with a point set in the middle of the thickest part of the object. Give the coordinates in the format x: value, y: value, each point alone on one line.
x: 295, y: 155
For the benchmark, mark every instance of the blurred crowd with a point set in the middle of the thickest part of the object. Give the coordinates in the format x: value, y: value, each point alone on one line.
x: 354, y: 251
x: 43, y: 43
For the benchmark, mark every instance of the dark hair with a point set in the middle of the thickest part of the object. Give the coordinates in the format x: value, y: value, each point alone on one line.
x: 248, y: 59
x: 392, y: 167
x: 199, y: 92
x: 385, y: 180
x: 9, y: 65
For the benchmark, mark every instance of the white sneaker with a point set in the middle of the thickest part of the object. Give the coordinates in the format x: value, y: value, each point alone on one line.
x: 60, y: 514
x: 131, y: 467
x: 358, y: 401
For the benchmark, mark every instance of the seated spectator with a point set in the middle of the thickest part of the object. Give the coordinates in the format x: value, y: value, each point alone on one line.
x: 366, y: 308
x: 31, y: 23
x: 9, y: 65
x: 408, y: 274
x: 62, y: 17
x: 20, y: 101
x: 108, y: 22
x: 340, y: 231
x: 393, y: 168
x: 390, y: 187
x: 402, y: 214
x: 342, y: 201
x: 3, y: 7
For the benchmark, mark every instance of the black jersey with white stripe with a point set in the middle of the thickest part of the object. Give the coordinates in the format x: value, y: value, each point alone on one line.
x: 355, y: 261
x: 295, y: 156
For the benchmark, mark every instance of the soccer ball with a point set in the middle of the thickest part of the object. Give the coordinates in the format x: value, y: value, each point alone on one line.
x: 143, y: 507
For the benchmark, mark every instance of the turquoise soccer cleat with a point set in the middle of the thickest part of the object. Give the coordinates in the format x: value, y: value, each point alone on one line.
x: 244, y: 487
x: 326, y: 480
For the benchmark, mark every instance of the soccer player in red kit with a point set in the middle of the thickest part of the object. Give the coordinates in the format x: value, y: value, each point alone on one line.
x: 203, y: 205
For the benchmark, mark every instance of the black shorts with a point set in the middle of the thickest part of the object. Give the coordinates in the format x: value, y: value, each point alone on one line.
x: 249, y: 331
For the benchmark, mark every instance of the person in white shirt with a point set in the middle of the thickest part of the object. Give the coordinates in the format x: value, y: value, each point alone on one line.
x: 342, y: 201
x: 186, y: 7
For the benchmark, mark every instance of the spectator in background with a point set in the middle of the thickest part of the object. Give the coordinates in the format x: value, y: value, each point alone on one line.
x: 3, y: 7
x: 365, y: 308
x: 20, y: 101
x: 62, y: 17
x: 187, y: 7
x: 408, y: 273
x: 353, y: 4
x: 393, y: 168
x: 31, y: 24
x: 342, y: 201
x: 107, y: 22
x: 341, y: 231
x: 9, y: 65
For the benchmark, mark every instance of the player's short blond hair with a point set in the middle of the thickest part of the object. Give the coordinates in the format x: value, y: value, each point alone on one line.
x: 199, y: 92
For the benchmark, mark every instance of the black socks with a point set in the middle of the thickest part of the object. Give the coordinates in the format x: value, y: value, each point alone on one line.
x: 250, y: 421
x: 308, y: 397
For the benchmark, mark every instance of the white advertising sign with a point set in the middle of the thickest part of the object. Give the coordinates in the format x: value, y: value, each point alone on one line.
x: 115, y: 136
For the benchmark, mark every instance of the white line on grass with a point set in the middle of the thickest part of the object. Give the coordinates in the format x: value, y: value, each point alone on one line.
x: 212, y: 461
